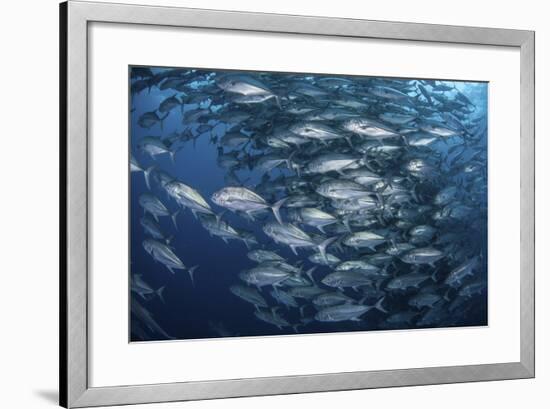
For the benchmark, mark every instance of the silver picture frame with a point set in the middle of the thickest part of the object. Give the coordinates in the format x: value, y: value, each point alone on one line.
x: 75, y: 16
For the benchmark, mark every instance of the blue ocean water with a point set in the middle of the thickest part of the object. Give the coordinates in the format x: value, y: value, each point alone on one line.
x: 207, y: 308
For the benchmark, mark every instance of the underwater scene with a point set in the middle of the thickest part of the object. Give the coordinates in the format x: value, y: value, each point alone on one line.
x: 275, y: 203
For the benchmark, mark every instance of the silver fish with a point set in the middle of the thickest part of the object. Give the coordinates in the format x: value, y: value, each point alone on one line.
x: 425, y: 255
x: 152, y: 205
x: 341, y: 189
x: 249, y: 294
x: 144, y: 290
x: 244, y: 200
x: 292, y: 236
x: 364, y: 239
x: 369, y: 128
x: 460, y: 273
x: 163, y: 254
x: 407, y: 281
x: 264, y: 275
x: 346, y: 312
x: 188, y: 197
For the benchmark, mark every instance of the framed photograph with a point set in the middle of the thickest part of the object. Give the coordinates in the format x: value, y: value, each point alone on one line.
x: 257, y: 204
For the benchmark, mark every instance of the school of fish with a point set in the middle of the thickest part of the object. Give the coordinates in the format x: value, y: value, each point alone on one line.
x: 370, y: 195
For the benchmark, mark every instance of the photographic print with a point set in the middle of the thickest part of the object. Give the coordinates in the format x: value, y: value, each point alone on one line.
x: 276, y: 203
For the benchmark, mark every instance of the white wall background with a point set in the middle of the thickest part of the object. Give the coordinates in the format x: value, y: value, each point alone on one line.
x: 29, y: 202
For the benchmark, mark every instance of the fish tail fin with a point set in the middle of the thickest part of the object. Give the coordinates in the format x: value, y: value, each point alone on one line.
x: 172, y: 156
x: 434, y: 276
x: 309, y: 273
x: 147, y: 175
x: 302, y: 308
x: 191, y: 272
x: 295, y: 328
x: 169, y: 239
x: 159, y: 293
x: 379, y: 305
x: 173, y: 216
x: 276, y: 209
x: 446, y: 295
x: 278, y: 102
x: 323, y: 247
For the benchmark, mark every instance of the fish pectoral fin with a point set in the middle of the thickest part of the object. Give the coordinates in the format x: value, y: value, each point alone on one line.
x: 147, y: 175
x: 173, y: 216
x: 191, y: 271
x: 159, y: 293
